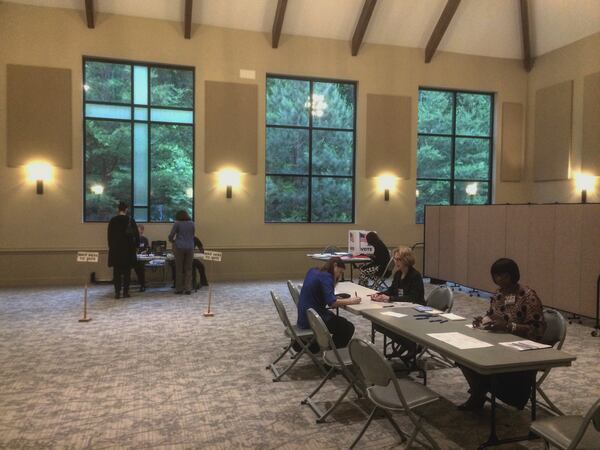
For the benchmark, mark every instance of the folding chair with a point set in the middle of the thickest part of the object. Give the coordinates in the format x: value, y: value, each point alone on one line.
x: 339, y: 361
x: 570, y: 432
x: 294, y: 291
x: 555, y: 334
x: 304, y: 338
x: 381, y: 279
x: 389, y: 393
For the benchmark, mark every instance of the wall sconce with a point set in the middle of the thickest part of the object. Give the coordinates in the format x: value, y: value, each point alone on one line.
x: 386, y: 183
x: 584, y: 183
x: 39, y: 172
x: 229, y: 179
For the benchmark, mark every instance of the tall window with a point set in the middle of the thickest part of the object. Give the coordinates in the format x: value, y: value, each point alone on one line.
x: 138, y: 139
x: 310, y: 142
x: 454, y: 149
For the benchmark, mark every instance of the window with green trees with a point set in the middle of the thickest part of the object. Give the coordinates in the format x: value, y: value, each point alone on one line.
x: 138, y: 139
x: 310, y: 146
x: 454, y: 148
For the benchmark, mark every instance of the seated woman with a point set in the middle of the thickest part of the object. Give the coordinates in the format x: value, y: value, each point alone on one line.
x: 513, y: 309
x: 379, y: 260
x: 318, y: 293
x: 407, y: 284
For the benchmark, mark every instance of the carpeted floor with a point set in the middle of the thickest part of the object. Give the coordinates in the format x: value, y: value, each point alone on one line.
x: 152, y: 372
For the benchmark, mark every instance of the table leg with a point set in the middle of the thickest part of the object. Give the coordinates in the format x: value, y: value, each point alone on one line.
x: 372, y: 333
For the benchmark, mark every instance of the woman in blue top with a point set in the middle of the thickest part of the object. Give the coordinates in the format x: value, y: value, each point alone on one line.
x: 182, y: 238
x: 318, y: 293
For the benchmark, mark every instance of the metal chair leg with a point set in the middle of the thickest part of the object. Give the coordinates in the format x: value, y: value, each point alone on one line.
x: 395, y: 425
x: 369, y: 420
x: 287, y: 349
x: 318, y: 388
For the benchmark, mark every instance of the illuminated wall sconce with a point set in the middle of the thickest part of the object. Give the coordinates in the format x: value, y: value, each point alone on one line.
x: 39, y: 172
x: 584, y: 183
x: 97, y: 189
x: 386, y: 183
x: 229, y: 179
x: 471, y: 189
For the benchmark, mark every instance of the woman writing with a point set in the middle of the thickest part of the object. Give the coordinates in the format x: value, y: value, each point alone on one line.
x: 513, y: 309
x: 318, y: 292
x: 407, y: 284
x: 182, y: 238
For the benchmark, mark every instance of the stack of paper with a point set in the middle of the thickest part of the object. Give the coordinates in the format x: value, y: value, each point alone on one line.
x: 451, y: 316
x: 405, y: 304
x: 460, y: 340
x: 525, y: 345
x: 393, y: 314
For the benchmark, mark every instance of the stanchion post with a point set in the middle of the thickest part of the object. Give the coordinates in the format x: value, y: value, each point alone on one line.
x: 85, y: 318
x: 208, y: 312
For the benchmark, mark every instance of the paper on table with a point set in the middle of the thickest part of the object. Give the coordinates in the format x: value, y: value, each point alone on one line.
x: 525, y: 345
x: 460, y: 340
x: 393, y: 314
x: 428, y: 309
x: 404, y: 304
x: 451, y: 316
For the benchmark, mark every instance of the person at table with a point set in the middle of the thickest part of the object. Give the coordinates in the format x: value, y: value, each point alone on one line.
x: 182, y: 238
x: 197, y: 265
x: 318, y: 292
x: 140, y: 266
x: 407, y: 284
x: 369, y: 272
x: 515, y: 309
x: 123, y: 239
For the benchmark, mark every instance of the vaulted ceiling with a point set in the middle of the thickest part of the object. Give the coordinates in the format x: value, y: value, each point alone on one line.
x: 478, y: 27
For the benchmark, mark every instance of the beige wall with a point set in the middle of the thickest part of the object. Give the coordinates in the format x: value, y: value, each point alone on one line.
x: 572, y: 62
x: 39, y: 233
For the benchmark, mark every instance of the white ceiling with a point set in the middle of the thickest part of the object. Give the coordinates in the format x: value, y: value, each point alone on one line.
x: 479, y: 27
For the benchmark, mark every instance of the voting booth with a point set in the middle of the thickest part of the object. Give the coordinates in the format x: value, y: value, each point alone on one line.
x: 357, y: 243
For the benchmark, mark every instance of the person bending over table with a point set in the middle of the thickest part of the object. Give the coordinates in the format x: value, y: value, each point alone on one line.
x: 182, y: 238
x: 318, y: 292
x: 369, y: 272
x: 140, y: 267
x: 407, y: 284
x: 513, y: 309
x: 196, y: 265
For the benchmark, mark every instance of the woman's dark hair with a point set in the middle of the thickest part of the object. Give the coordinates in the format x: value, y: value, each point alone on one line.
x: 330, y: 265
x: 372, y: 238
x: 122, y: 206
x: 182, y: 215
x: 506, y: 266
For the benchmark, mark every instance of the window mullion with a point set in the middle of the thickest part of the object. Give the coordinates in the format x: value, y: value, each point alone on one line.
x: 310, y: 151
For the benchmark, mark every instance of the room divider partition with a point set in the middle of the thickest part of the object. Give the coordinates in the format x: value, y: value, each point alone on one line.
x: 557, y: 248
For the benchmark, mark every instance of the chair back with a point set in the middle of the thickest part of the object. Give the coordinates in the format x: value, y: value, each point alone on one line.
x: 440, y: 298
x: 281, y: 311
x: 294, y: 291
x: 596, y: 416
x: 320, y: 330
x: 372, y: 365
x: 556, y: 328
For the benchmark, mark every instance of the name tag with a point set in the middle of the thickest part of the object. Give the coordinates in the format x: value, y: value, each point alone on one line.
x: 509, y: 299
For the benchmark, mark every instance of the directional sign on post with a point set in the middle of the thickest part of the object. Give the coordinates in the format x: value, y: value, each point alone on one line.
x: 87, y: 257
x: 212, y: 256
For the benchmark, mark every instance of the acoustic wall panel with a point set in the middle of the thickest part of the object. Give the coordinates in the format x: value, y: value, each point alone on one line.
x: 540, y: 261
x: 512, y: 142
x: 432, y: 241
x: 517, y: 236
x: 461, y: 243
x: 590, y: 146
x: 447, y: 235
x: 590, y: 258
x: 553, y: 132
x: 486, y: 243
x: 567, y: 256
x: 39, y: 117
x: 231, y: 135
x: 389, y: 141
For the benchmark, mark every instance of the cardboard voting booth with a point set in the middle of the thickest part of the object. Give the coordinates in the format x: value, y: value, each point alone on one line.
x: 357, y: 243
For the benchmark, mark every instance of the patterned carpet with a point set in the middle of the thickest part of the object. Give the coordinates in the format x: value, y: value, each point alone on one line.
x: 152, y: 372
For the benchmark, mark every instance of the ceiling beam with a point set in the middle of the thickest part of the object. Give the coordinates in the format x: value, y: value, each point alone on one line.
x: 440, y: 29
x: 527, y: 59
x: 278, y: 22
x: 187, y: 19
x: 89, y: 13
x: 361, y: 26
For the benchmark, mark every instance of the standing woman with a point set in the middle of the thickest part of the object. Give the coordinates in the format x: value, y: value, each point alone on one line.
x: 182, y: 238
x: 123, y: 240
x: 407, y: 284
x: 379, y: 260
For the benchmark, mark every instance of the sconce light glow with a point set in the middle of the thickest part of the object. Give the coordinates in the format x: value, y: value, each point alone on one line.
x: 97, y: 189
x: 471, y: 189
x: 386, y: 183
x: 38, y: 172
x: 584, y: 182
x: 229, y: 178
x: 189, y: 192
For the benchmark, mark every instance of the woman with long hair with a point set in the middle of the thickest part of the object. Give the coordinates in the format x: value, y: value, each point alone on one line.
x: 182, y: 238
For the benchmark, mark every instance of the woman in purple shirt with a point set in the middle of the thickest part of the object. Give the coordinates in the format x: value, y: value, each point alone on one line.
x: 182, y: 238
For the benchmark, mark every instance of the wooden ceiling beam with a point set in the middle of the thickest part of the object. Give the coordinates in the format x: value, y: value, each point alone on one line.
x: 187, y: 19
x: 361, y: 26
x: 89, y: 13
x: 527, y: 59
x: 278, y: 22
x: 440, y: 28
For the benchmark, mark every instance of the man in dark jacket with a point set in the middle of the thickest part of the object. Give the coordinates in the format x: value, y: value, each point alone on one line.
x: 123, y: 240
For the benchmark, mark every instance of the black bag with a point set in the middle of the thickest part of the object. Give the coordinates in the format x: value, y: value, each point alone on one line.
x: 130, y: 231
